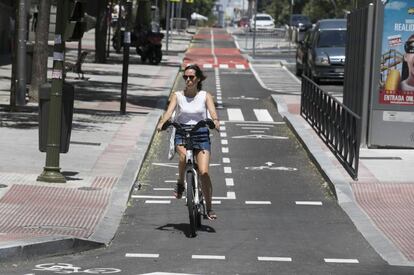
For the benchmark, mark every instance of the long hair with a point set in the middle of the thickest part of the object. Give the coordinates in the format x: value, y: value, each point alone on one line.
x: 199, y: 74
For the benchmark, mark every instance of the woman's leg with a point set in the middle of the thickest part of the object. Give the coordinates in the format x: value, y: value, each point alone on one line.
x: 181, y: 168
x: 203, y: 161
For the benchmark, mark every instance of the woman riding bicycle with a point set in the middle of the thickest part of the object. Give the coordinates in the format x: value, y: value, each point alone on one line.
x: 192, y: 106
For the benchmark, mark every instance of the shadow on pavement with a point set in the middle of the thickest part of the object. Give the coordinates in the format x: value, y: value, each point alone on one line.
x: 185, y: 228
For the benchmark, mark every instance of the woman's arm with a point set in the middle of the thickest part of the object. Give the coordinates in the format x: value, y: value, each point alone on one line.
x: 168, y: 113
x: 212, y: 109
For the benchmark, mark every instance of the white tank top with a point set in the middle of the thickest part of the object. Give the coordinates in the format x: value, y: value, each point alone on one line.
x: 191, y: 110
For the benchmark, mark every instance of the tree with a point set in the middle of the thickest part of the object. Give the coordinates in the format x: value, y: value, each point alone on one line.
x: 40, y: 53
x: 143, y: 19
x: 101, y: 31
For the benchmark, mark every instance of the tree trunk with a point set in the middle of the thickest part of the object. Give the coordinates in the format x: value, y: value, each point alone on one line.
x: 40, y: 54
x: 13, y: 86
x: 101, y: 31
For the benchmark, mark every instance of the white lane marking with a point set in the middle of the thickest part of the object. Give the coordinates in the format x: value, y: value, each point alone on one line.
x: 152, y: 197
x: 224, y: 141
x: 222, y: 128
x: 262, y: 115
x: 226, y: 160
x: 257, y: 132
x: 158, y: 201
x: 255, y: 128
x: 163, y: 189
x: 275, y: 259
x: 227, y: 170
x: 141, y: 255
x: 341, y: 261
x: 240, y: 66
x: 235, y: 114
x: 257, y: 125
x: 215, y: 202
x: 169, y: 181
x: 308, y: 202
x: 258, y: 136
x: 229, y: 182
x: 207, y: 66
x: 225, y: 150
x: 208, y: 257
x: 222, y: 123
x: 224, y: 66
x: 223, y: 134
x: 230, y: 196
x: 212, y: 47
x: 175, y: 165
x: 258, y: 202
x: 254, y: 122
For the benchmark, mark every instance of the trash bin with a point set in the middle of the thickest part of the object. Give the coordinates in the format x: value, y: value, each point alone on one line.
x: 68, y: 95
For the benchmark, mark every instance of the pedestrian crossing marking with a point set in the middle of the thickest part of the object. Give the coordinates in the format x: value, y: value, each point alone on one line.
x: 262, y: 115
x: 235, y: 114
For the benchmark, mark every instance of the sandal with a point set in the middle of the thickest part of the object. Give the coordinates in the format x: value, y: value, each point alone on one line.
x: 179, y: 190
x: 211, y: 215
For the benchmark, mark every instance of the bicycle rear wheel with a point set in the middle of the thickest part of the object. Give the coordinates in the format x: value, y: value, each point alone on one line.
x: 192, y: 209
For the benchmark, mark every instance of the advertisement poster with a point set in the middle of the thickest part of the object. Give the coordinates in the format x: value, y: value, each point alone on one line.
x: 397, y: 54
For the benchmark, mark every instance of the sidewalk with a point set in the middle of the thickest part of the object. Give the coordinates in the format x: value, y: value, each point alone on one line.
x: 105, y: 155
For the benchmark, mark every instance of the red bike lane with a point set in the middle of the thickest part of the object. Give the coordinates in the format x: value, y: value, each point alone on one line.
x: 214, y: 55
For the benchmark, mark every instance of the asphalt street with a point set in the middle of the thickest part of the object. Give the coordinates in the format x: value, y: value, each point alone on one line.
x: 276, y: 214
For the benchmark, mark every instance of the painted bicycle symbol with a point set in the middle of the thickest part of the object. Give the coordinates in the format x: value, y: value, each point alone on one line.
x: 63, y: 268
x: 269, y: 166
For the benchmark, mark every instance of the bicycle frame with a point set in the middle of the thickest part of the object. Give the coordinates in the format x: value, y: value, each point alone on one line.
x: 194, y: 200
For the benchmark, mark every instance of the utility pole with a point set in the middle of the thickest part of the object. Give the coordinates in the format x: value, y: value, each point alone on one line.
x: 125, y: 64
x: 168, y: 25
x: 51, y: 172
x: 21, y: 54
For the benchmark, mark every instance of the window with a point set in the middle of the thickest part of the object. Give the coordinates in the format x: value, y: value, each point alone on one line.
x: 331, y: 38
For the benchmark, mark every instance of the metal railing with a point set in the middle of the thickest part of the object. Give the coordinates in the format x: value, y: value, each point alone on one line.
x: 335, y: 124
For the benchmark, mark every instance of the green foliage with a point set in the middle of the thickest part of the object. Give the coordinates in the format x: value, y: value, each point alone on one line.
x: 315, y: 9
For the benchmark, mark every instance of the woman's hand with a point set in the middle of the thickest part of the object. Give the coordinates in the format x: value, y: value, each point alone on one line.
x: 217, y: 124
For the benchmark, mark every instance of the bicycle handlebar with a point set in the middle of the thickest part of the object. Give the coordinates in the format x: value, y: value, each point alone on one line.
x: 202, y: 123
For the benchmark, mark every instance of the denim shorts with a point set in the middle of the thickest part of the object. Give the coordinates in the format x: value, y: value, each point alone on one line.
x: 201, y: 138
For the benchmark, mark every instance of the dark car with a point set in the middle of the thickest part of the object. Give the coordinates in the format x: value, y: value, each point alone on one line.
x: 300, y: 21
x: 321, y: 55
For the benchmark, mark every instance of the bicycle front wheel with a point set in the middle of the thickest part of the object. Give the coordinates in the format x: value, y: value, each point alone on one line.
x: 192, y: 209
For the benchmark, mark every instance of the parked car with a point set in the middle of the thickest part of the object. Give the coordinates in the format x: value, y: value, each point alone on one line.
x: 264, y: 22
x: 321, y: 55
x: 300, y: 21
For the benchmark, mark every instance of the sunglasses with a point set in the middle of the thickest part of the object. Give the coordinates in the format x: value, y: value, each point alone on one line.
x: 409, y: 47
x: 191, y: 77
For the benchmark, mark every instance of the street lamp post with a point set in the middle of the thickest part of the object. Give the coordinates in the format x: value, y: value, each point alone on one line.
x: 51, y: 171
x: 125, y: 64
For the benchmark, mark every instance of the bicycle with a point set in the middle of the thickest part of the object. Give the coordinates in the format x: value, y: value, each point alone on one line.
x: 194, y: 196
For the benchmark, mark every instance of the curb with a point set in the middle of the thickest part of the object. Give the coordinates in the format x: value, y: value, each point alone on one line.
x: 47, y: 246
